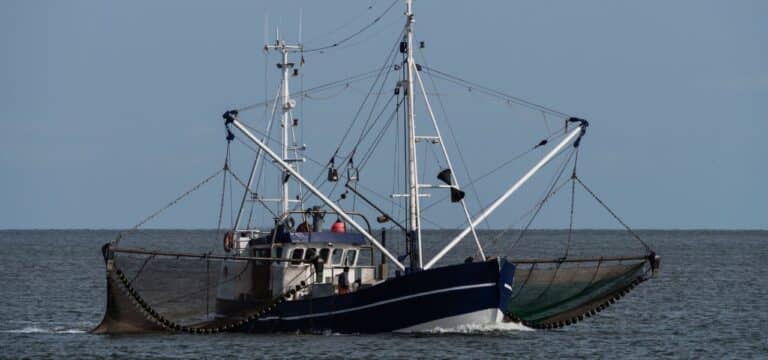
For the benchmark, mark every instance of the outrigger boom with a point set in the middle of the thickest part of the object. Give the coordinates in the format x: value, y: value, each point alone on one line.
x: 230, y: 118
x: 577, y: 132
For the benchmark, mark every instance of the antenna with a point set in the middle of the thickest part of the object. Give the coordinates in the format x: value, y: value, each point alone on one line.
x: 266, y: 28
x: 301, y: 17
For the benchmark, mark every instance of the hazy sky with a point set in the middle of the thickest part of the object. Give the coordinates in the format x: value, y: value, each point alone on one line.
x: 110, y: 109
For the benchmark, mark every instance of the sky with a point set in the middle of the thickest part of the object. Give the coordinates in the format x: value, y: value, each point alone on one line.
x: 108, y: 110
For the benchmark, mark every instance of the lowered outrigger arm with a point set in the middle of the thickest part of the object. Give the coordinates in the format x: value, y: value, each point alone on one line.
x: 574, y: 134
x: 230, y: 117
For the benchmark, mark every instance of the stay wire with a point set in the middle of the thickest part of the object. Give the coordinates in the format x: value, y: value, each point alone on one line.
x: 459, y: 81
x: 387, y: 64
x: 573, y: 203
x: 367, y: 129
x: 356, y: 33
x: 167, y: 206
x: 321, y: 87
x: 632, y: 232
x: 399, y: 206
x: 231, y: 206
x: 307, y: 195
x: 245, y: 186
x: 223, y: 191
x: 548, y: 195
x: 379, y: 136
x: 462, y: 159
x: 474, y: 181
x: 366, y: 39
x: 369, y: 153
x: 342, y: 26
x: 535, y: 208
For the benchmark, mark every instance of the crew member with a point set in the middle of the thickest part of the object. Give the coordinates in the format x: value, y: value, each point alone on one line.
x: 342, y: 281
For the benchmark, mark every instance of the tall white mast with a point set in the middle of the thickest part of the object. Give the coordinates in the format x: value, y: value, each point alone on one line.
x: 287, y: 105
x: 414, y: 211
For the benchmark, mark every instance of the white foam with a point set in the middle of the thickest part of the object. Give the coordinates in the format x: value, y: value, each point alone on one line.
x: 480, y: 328
x: 39, y: 330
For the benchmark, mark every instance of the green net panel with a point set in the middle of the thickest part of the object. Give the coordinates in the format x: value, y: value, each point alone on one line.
x: 550, y: 295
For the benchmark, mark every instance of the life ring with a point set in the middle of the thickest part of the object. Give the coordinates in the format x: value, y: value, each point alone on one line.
x: 229, y: 241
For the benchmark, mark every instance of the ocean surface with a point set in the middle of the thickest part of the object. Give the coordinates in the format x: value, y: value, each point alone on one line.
x: 710, y: 301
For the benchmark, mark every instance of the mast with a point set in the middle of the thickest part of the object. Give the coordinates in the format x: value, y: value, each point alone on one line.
x: 287, y: 105
x: 414, y: 211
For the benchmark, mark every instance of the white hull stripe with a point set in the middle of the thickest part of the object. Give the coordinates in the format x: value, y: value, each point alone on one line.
x: 379, y: 303
x: 507, y: 286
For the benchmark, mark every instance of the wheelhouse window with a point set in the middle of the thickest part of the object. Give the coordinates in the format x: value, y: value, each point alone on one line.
x: 297, y: 254
x: 324, y: 252
x: 349, y: 260
x: 278, y: 253
x: 336, y: 256
x: 365, y: 258
x: 263, y: 252
x: 311, y: 252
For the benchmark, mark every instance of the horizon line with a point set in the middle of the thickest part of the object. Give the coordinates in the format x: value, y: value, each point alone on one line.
x: 428, y: 229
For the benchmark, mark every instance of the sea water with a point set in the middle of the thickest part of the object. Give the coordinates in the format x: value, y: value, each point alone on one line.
x: 709, y: 301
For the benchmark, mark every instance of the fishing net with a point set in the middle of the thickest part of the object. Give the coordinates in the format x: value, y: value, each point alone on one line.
x: 145, y: 288
x: 161, y: 291
x: 552, y: 294
x: 577, y: 276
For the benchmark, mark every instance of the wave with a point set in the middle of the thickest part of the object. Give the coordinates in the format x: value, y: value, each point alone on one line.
x: 480, y: 328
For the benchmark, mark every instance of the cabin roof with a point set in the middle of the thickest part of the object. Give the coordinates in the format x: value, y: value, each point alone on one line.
x: 321, y: 237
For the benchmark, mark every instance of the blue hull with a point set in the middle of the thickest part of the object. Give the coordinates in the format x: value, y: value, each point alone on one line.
x: 399, y: 303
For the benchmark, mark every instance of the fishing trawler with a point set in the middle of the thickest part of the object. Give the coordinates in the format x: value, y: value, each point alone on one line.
x: 303, y: 276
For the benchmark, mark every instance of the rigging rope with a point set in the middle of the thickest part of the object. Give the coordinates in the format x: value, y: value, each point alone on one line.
x: 489, y: 91
x: 533, y: 210
x: 548, y: 195
x: 249, y: 190
x: 342, y: 26
x: 379, y: 72
x: 637, y: 237
x: 170, y: 204
x: 377, y: 140
x: 356, y: 33
x: 387, y: 64
x: 399, y: 206
x: 321, y: 87
x: 464, y: 163
x: 500, y: 166
x: 367, y: 129
x: 223, y: 189
x: 573, y: 202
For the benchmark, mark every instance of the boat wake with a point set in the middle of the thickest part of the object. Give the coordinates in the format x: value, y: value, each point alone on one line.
x: 39, y: 330
x: 479, y: 328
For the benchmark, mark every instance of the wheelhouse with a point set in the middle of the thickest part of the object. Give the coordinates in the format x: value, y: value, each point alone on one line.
x: 326, y: 262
